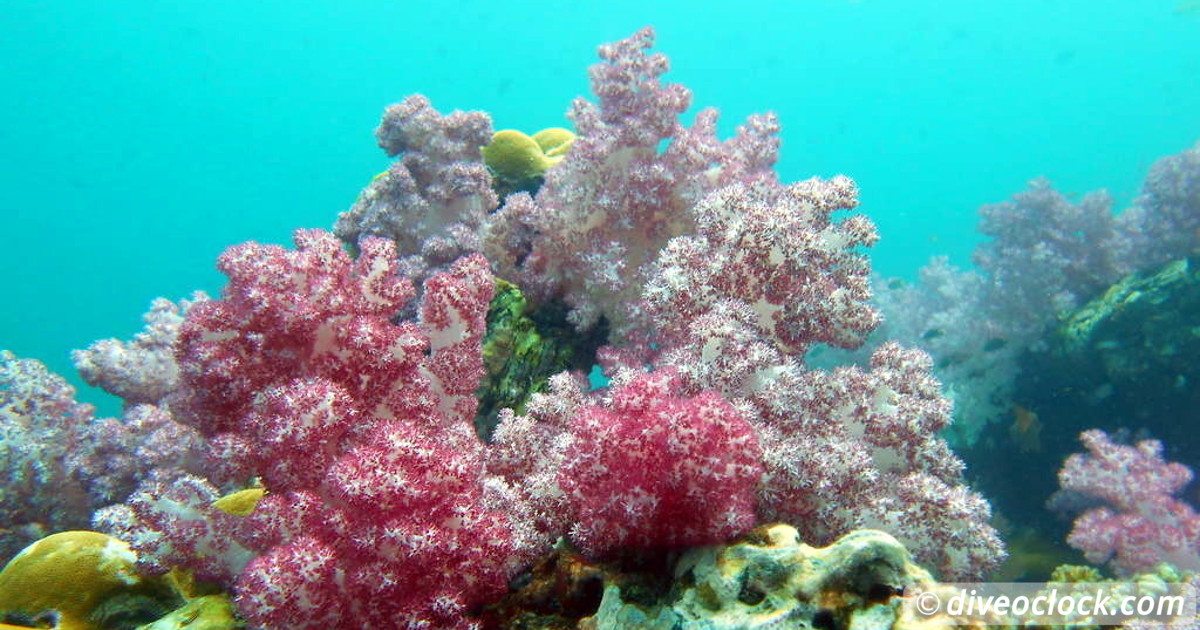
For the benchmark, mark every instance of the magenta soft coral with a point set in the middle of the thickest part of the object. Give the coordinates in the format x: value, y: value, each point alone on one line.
x: 360, y: 429
x: 1142, y: 524
x: 658, y: 469
x: 287, y: 313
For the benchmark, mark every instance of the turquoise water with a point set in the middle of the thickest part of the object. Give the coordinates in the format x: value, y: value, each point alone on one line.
x: 140, y: 141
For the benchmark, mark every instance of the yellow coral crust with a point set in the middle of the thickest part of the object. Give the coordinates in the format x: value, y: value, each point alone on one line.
x: 70, y: 572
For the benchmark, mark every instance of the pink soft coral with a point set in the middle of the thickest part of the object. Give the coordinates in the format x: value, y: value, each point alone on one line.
x: 658, y: 469
x: 1143, y: 524
x: 359, y: 428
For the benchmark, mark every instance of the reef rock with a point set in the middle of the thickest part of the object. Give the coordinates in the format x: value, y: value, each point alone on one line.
x: 1125, y: 360
x: 771, y: 580
x: 1142, y: 330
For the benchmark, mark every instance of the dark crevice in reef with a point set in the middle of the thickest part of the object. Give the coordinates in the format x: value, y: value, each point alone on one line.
x: 524, y: 346
x: 564, y: 586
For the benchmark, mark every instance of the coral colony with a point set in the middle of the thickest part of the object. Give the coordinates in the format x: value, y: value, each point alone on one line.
x: 1150, y: 526
x: 1046, y: 257
x: 312, y: 441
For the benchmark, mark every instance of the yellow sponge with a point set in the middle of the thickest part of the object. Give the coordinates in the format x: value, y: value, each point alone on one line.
x: 554, y: 141
x: 518, y: 161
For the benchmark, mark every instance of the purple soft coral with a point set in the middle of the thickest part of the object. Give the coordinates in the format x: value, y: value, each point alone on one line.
x: 432, y: 201
x: 616, y: 199
x: 314, y: 374
x: 1143, y: 523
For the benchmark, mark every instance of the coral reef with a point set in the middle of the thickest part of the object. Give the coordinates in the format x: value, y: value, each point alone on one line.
x: 1142, y: 524
x: 1047, y: 256
x: 335, y: 468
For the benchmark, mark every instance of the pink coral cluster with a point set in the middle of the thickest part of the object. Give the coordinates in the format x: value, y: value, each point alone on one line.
x: 654, y: 468
x: 704, y: 263
x: 859, y: 448
x: 1142, y: 523
x: 778, y: 251
x: 170, y: 520
x: 358, y: 428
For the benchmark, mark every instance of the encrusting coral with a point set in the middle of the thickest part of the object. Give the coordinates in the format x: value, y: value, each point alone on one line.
x: 71, y: 576
x: 770, y: 579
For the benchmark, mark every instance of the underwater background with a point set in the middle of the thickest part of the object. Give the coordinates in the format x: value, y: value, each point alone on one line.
x: 142, y: 139
x: 1031, y: 170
